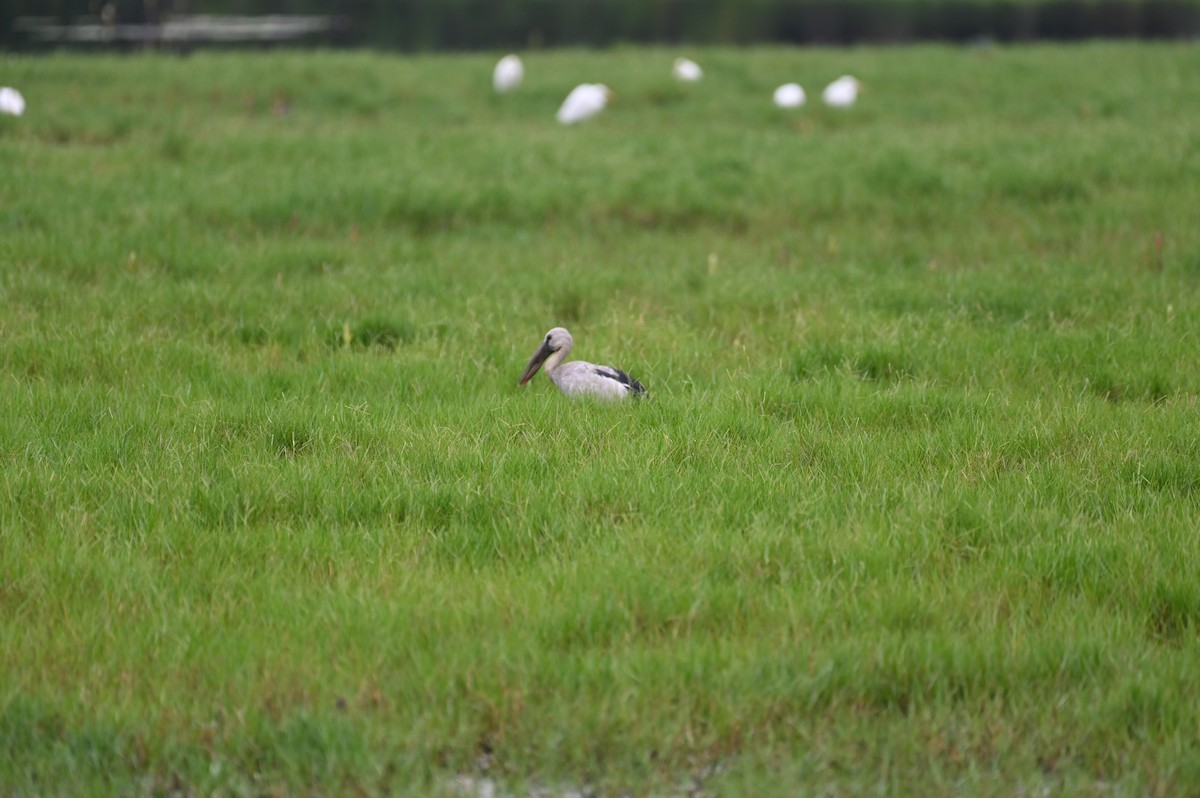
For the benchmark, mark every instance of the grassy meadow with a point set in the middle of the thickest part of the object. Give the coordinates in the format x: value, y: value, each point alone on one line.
x: 911, y: 509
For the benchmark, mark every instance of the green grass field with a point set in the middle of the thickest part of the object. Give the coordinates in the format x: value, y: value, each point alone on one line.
x: 912, y: 508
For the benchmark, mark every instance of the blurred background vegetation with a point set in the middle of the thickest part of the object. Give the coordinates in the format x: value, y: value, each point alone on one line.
x: 495, y: 24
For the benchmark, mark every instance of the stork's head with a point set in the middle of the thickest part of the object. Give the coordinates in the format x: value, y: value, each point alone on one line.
x: 556, y: 340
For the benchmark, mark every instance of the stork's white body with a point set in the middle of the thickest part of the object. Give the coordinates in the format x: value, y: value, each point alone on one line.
x: 11, y: 101
x: 508, y: 74
x: 687, y: 70
x: 842, y: 93
x: 578, y: 378
x: 789, y: 95
x: 585, y: 101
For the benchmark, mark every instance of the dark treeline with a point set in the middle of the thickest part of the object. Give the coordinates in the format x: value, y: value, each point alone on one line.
x: 496, y: 24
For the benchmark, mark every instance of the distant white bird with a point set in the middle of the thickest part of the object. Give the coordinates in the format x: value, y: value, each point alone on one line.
x: 11, y: 101
x: 578, y: 378
x: 687, y: 70
x: 585, y: 101
x: 508, y: 74
x: 842, y: 92
x: 789, y: 95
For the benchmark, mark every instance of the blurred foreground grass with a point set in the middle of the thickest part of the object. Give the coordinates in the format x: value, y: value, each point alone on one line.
x: 912, y: 508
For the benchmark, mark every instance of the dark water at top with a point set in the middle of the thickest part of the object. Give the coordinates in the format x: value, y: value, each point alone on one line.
x: 495, y: 24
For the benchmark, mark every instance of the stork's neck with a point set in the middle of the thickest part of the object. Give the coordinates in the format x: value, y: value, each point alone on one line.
x: 556, y: 359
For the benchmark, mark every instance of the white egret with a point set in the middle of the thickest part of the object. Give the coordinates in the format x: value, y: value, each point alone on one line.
x: 842, y: 92
x: 508, y: 74
x: 585, y: 101
x: 578, y: 378
x: 789, y: 95
x: 687, y: 70
x: 11, y: 101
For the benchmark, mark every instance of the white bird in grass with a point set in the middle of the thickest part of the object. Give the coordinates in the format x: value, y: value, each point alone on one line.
x: 508, y: 74
x: 11, y: 101
x: 687, y: 70
x: 578, y: 378
x: 789, y: 95
x: 585, y: 101
x: 842, y: 92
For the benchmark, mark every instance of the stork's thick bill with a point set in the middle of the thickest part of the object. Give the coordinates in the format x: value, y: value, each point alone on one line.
x: 535, y: 362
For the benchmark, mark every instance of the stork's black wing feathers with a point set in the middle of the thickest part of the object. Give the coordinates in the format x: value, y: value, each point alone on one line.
x: 635, y: 387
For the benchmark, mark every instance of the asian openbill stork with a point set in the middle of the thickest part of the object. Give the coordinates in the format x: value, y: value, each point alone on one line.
x: 578, y: 378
